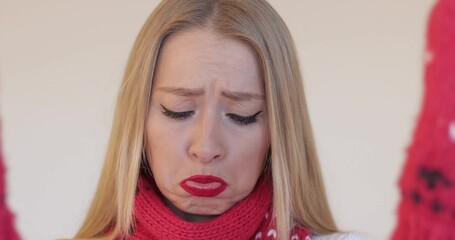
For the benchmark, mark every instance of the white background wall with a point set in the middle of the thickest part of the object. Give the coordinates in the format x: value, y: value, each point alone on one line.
x: 61, y: 63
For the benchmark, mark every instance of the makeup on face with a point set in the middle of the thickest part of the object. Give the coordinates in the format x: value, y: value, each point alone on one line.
x: 207, y: 128
x: 204, y: 185
x: 251, y: 104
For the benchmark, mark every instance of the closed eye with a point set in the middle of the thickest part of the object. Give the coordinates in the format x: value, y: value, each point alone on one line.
x: 176, y: 115
x: 244, y: 120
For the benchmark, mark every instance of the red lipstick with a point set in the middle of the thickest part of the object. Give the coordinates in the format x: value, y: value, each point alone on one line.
x: 203, y: 185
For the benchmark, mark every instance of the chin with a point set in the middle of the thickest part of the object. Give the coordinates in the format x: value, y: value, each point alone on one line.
x: 206, y: 207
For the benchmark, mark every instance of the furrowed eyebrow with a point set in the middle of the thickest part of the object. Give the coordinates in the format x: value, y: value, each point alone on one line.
x: 189, y: 92
x: 184, y: 92
x: 242, y: 96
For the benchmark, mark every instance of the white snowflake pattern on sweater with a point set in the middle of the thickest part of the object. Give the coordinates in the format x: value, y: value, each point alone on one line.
x: 452, y: 131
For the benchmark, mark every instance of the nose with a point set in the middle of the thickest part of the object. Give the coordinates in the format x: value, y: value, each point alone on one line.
x: 207, y: 140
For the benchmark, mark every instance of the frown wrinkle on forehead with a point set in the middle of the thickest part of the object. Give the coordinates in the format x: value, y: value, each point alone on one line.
x: 187, y: 59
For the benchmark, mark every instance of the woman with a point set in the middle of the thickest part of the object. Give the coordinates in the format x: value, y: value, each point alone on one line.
x: 211, y: 136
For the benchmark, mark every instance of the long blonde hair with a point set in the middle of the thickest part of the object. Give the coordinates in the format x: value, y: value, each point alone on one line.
x: 298, y: 191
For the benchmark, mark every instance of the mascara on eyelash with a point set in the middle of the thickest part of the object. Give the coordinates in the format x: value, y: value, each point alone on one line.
x: 244, y: 120
x: 176, y: 115
x: 251, y: 116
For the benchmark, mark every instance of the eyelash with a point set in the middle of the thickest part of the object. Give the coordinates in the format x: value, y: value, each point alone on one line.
x: 244, y: 120
x: 176, y: 115
x: 241, y: 120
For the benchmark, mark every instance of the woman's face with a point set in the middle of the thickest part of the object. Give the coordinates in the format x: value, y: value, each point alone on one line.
x: 207, y: 128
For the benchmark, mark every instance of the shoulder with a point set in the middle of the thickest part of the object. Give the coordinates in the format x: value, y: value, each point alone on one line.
x: 339, y: 236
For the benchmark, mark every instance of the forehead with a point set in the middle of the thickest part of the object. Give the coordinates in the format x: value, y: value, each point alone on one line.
x: 200, y: 56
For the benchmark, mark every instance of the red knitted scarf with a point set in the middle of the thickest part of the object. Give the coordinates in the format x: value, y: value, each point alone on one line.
x: 248, y: 219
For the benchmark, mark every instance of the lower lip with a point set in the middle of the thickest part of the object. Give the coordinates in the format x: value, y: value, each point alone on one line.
x: 203, y: 185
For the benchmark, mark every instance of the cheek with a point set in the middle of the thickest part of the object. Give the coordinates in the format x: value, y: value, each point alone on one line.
x: 162, y: 145
x: 251, y: 153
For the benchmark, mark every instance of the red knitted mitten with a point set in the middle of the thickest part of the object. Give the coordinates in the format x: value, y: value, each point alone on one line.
x: 7, y: 231
x: 427, y: 207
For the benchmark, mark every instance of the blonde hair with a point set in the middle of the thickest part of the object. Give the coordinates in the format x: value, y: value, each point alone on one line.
x: 298, y: 194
